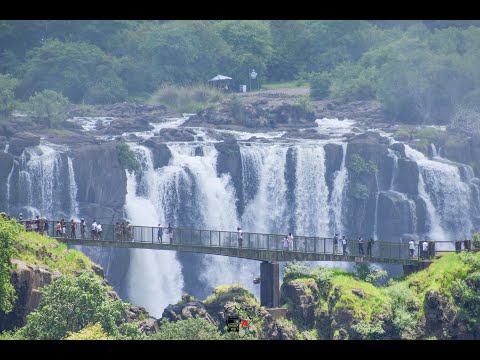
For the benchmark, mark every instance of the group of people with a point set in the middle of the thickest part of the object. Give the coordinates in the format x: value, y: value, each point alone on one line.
x: 38, y: 224
x: 161, y: 230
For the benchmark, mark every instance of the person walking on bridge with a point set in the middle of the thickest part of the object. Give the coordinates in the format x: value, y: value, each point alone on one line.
x: 99, y: 232
x: 93, y: 232
x: 424, y: 249
x: 83, y: 227
x: 411, y: 247
x: 285, y: 244
x: 118, y: 231
x: 344, y: 245
x: 129, y: 232
x: 170, y: 233
x: 240, y: 236
x: 335, y: 244
x: 160, y: 233
x: 73, y: 227
x: 370, y: 246
x: 59, y: 229
x: 360, y: 246
x: 290, y: 241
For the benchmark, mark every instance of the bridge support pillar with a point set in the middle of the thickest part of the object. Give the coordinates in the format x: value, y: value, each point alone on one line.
x: 269, y: 284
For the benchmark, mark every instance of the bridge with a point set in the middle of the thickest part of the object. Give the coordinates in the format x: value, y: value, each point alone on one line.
x: 266, y: 248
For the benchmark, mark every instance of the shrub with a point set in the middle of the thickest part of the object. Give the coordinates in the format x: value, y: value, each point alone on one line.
x: 359, y: 191
x: 359, y: 165
x: 186, y: 98
x: 294, y: 270
x: 190, y: 329
x: 127, y: 157
x: 370, y: 273
x: 49, y: 107
x: 319, y: 86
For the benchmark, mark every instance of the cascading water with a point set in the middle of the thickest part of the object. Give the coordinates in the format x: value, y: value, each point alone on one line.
x: 447, y: 198
x: 264, y: 183
x: 41, y: 188
x: 336, y: 199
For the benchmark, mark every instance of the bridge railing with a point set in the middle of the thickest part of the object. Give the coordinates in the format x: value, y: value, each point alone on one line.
x: 230, y: 239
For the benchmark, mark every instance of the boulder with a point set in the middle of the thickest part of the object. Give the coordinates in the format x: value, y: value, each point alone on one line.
x: 160, y: 151
x: 407, y: 177
x: 302, y: 296
x: 394, y: 216
x: 22, y: 140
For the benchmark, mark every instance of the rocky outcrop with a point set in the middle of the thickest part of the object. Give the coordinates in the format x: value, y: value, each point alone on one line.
x: 394, y: 216
x: 333, y: 162
x: 186, y: 309
x: 407, y: 177
x: 27, y: 281
x: 302, y: 297
x: 6, y: 164
x: 176, y: 135
x: 160, y: 151
x: 368, y: 111
x: 22, y: 140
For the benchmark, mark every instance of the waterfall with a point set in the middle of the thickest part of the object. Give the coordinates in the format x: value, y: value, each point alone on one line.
x: 447, y: 198
x: 264, y: 181
x: 186, y: 193
x: 336, y: 200
x: 73, y: 190
x: 8, y: 186
x: 7, y: 146
x: 394, y: 156
x: 433, y: 150
x: 375, y: 224
x: 154, y: 277
x: 311, y: 192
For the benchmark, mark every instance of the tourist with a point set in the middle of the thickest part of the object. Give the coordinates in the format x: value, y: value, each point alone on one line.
x: 160, y: 233
x: 83, y: 227
x: 370, y: 246
x: 424, y: 249
x: 93, y: 232
x: 64, y: 228
x: 344, y: 245
x: 41, y: 225
x: 290, y: 241
x: 129, y: 232
x: 73, y: 227
x: 411, y: 247
x: 240, y: 236
x: 360, y: 246
x: 59, y: 229
x: 170, y: 233
x: 45, y: 226
x: 335, y: 243
x: 124, y: 231
x: 118, y: 230
x: 20, y: 217
x: 99, y: 232
x: 285, y: 244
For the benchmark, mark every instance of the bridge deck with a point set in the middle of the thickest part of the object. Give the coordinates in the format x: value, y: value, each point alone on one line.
x: 255, y: 246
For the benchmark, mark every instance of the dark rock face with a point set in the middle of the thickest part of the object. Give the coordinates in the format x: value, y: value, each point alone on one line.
x: 22, y: 140
x: 27, y: 280
x: 394, y: 216
x: 333, y: 162
x: 176, y: 135
x: 407, y: 177
x: 368, y: 111
x: 161, y: 153
x: 229, y: 161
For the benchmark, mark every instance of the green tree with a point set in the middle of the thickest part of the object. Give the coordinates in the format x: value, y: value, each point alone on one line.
x: 7, y: 96
x: 71, y: 303
x: 49, y: 107
x: 71, y: 68
x: 9, y: 230
x: 319, y: 85
x: 190, y: 329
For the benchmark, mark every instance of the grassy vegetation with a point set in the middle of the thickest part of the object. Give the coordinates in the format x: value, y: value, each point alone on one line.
x: 186, y: 99
x: 285, y: 84
x: 236, y: 292
x: 42, y: 251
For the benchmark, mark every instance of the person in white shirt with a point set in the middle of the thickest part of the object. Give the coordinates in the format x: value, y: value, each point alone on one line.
x: 411, y: 246
x: 99, y: 231
x: 424, y: 249
x: 344, y: 245
x: 290, y: 241
x: 94, y: 230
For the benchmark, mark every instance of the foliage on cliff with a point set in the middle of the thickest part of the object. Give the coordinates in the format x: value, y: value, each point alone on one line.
x: 9, y: 230
x: 442, y: 302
